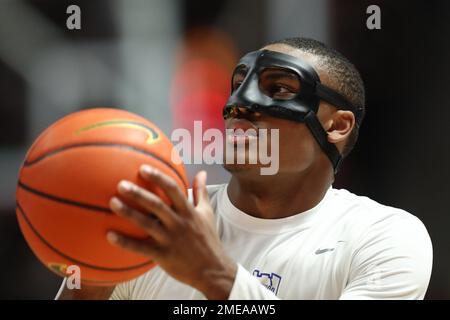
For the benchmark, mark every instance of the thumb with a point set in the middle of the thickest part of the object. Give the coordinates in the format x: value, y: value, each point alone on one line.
x: 200, y: 192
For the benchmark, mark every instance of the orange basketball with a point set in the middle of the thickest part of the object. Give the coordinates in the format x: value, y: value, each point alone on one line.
x: 67, y: 179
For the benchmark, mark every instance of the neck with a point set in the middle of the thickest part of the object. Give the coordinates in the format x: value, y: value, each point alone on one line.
x: 281, y: 195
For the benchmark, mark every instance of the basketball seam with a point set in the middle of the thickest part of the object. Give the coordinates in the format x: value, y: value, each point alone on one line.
x: 51, y: 247
x: 28, y: 163
x: 63, y: 200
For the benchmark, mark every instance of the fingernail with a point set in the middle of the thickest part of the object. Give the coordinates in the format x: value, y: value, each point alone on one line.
x: 147, y: 169
x: 125, y: 186
x: 115, y: 203
x: 112, y: 237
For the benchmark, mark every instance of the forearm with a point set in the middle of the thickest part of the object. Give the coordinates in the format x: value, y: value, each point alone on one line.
x: 236, y: 285
x: 217, y: 283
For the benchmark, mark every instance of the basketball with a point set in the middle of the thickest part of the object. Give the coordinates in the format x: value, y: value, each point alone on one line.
x: 67, y: 179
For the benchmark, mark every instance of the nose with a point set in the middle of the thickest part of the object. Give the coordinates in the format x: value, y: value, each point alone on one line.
x: 239, y: 112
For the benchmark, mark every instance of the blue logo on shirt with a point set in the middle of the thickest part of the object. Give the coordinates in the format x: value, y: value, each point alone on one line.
x: 270, y: 280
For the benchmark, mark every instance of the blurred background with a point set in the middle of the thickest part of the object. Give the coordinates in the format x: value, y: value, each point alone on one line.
x: 171, y: 60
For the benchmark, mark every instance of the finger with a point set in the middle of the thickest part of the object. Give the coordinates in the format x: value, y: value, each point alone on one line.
x: 148, y: 201
x: 200, y: 192
x: 168, y: 185
x: 143, y: 247
x: 150, y: 224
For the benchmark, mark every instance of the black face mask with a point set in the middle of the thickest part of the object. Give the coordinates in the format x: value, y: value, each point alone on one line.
x: 285, y: 87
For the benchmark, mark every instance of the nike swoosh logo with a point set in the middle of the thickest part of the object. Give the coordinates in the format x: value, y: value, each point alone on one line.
x: 320, y: 251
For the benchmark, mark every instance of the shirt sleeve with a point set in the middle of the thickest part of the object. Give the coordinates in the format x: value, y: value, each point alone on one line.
x: 393, y: 261
x: 247, y: 287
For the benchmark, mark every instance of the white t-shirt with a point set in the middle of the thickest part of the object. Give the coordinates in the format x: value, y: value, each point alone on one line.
x: 346, y: 247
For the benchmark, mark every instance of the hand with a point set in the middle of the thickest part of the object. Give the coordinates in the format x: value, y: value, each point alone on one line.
x: 182, y: 238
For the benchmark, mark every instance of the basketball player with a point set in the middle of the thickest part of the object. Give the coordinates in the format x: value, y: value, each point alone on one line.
x: 284, y: 236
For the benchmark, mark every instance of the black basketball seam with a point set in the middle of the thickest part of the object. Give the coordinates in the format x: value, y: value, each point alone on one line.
x: 51, y: 247
x: 63, y: 200
x: 103, y: 144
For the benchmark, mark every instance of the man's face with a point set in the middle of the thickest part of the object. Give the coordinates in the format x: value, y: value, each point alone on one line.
x: 298, y: 150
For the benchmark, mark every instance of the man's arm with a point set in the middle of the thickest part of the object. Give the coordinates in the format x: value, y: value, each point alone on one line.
x: 183, y: 239
x: 393, y: 261
x: 202, y: 264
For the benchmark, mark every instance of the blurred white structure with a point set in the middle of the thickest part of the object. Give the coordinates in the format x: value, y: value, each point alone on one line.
x: 130, y: 71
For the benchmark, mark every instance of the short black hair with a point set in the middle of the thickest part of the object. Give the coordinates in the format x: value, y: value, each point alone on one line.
x: 348, y: 81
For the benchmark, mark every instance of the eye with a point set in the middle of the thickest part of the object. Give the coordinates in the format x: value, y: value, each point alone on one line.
x: 238, y: 76
x: 281, y: 91
x: 278, y: 88
x: 279, y: 83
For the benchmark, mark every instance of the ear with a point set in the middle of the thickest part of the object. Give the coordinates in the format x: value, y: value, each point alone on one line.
x: 340, y: 126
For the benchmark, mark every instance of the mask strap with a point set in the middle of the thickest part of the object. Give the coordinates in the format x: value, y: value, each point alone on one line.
x: 336, y: 99
x: 320, y: 135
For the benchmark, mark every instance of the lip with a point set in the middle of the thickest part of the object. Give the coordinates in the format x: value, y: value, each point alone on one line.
x: 242, y: 126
